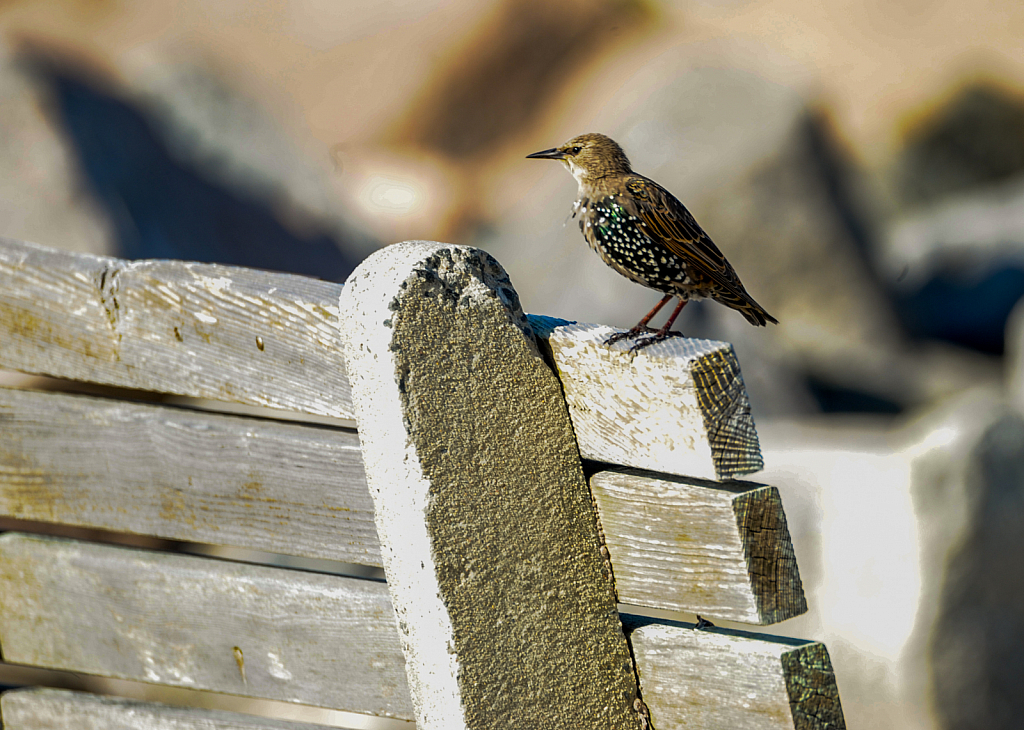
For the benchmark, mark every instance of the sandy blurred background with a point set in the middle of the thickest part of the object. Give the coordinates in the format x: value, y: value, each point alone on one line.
x: 861, y: 164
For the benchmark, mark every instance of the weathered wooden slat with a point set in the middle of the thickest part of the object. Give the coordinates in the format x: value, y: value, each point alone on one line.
x: 200, y: 330
x: 720, y: 550
x: 284, y: 488
x: 54, y: 709
x: 678, y: 407
x: 185, y: 475
x: 26, y: 677
x: 717, y: 679
x: 207, y: 624
x: 268, y: 339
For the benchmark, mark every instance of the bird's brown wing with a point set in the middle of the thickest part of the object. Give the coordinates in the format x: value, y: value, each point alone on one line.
x: 668, y: 222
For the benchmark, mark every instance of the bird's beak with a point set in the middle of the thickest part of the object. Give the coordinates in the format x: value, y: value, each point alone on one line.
x: 552, y: 154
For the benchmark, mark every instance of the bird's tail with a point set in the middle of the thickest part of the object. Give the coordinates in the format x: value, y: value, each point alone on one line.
x: 738, y: 299
x: 755, y: 313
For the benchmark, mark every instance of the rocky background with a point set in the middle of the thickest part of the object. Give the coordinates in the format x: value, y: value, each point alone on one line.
x: 861, y: 165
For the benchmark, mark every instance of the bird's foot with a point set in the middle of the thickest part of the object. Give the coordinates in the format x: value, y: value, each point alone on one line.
x: 631, y: 334
x: 658, y: 336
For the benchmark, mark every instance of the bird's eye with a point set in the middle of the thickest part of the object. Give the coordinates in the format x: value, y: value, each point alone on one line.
x: 576, y: 150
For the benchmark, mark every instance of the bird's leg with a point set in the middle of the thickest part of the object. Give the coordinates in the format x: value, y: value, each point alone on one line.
x: 641, y: 326
x: 664, y: 333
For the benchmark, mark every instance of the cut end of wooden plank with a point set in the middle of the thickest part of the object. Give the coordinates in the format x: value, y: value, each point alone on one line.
x: 768, y: 551
x: 720, y: 679
x: 811, y: 683
x: 678, y: 406
x: 726, y: 409
x: 683, y: 544
x: 487, y: 530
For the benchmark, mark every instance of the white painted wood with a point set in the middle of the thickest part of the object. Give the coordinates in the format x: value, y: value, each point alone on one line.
x: 677, y: 407
x: 54, y: 709
x: 717, y: 679
x: 487, y: 530
x: 199, y: 623
x: 200, y: 330
x: 718, y: 550
x: 185, y: 475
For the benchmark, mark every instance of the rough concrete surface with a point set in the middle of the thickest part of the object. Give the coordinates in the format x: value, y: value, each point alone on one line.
x: 488, y: 535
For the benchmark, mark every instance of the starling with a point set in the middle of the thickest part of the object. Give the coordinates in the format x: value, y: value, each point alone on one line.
x: 639, y: 229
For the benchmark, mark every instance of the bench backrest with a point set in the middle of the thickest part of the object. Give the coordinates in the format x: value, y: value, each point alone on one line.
x: 667, y: 426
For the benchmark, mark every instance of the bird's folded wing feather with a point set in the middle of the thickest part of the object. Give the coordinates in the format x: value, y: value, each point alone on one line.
x: 668, y: 222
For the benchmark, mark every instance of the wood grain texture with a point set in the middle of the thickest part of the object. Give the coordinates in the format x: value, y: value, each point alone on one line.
x: 720, y: 550
x: 54, y: 709
x: 267, y: 339
x: 206, y: 624
x: 185, y: 475
x: 717, y: 679
x: 199, y: 330
x: 677, y: 407
x: 300, y: 490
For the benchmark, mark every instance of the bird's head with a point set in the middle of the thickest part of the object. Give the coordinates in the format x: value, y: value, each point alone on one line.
x: 589, y: 157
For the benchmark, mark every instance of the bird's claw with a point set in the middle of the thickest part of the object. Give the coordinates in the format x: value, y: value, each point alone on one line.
x: 628, y: 335
x: 642, y: 342
x: 657, y: 337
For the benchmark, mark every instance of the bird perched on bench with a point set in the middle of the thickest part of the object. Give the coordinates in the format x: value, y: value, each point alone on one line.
x: 642, y: 231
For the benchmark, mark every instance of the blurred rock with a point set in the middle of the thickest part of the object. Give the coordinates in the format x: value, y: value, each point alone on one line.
x: 952, y: 257
x: 234, y: 140
x: 956, y: 268
x: 507, y: 73
x: 212, y: 181
x: 983, y: 224
x: 875, y: 508
x: 974, y: 140
x: 978, y: 641
x: 805, y: 231
x: 1013, y: 360
x: 499, y: 82
x: 944, y: 488
x: 42, y: 196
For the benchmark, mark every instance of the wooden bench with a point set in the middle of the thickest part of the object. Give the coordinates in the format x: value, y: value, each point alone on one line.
x: 465, y: 482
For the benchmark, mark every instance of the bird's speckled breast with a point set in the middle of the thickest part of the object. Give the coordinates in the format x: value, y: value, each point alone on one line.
x: 619, y: 239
